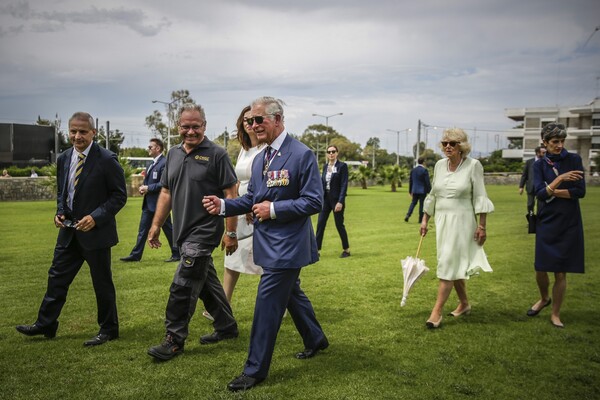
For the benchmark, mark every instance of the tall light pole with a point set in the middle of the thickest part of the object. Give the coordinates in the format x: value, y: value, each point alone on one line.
x: 398, y: 142
x: 169, y: 112
x: 427, y: 131
x: 327, y: 121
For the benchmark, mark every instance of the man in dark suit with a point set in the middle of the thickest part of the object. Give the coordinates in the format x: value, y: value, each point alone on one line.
x: 335, y: 187
x: 90, y: 192
x: 150, y: 189
x: 527, y: 179
x: 284, y: 191
x: 418, y: 187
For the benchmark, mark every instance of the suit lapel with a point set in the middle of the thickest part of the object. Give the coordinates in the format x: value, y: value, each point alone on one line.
x: 283, y: 154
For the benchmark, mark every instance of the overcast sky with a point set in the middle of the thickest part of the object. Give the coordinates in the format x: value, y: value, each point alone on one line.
x: 384, y: 63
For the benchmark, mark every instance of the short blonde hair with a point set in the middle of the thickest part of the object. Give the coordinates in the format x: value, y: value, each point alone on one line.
x: 460, y: 136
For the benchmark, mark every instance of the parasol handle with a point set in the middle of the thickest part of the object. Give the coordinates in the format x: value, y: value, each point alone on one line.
x: 419, y: 248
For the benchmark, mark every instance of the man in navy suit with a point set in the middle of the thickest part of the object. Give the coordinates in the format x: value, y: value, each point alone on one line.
x: 90, y: 192
x: 150, y: 189
x: 284, y: 191
x: 527, y: 178
x: 418, y: 187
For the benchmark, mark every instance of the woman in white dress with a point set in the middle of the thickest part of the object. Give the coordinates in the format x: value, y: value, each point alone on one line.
x: 241, y: 261
x: 456, y: 200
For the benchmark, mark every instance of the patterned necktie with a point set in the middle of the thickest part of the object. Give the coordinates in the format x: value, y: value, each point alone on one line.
x: 267, y: 159
x: 78, y: 169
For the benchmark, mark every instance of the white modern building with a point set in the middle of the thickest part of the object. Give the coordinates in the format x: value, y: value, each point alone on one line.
x: 583, y: 130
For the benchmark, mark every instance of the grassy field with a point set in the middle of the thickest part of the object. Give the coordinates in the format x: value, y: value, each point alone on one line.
x: 378, y: 350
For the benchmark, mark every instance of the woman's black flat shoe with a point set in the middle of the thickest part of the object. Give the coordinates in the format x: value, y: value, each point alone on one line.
x: 532, y: 313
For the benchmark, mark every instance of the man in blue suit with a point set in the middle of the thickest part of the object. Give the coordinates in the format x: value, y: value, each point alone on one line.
x: 527, y: 179
x: 284, y: 191
x: 90, y: 192
x: 150, y: 189
x: 418, y: 187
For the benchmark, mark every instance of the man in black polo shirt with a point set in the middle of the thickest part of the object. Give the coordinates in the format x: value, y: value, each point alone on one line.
x: 195, y: 168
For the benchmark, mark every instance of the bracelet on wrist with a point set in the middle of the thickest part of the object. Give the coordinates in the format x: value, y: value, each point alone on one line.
x: 549, y: 189
x: 481, y: 227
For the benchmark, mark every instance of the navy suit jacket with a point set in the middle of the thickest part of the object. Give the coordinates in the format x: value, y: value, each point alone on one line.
x: 338, y: 185
x: 419, y: 182
x: 100, y: 193
x: 527, y: 176
x: 289, y: 240
x: 154, y: 185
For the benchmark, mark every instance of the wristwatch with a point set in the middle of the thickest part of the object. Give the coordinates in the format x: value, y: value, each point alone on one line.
x: 232, y: 235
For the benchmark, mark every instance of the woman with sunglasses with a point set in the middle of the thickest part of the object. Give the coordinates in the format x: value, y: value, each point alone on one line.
x: 335, y: 186
x: 457, y: 200
x: 241, y: 260
x: 559, y: 184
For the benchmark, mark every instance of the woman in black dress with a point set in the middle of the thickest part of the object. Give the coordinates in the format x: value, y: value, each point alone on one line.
x: 559, y: 184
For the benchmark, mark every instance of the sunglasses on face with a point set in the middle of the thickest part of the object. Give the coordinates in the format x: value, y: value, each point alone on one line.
x: 259, y: 119
x: 186, y: 128
x: 451, y: 143
x: 331, y: 151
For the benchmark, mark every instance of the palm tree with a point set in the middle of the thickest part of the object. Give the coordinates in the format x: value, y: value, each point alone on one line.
x: 361, y: 174
x: 394, y: 174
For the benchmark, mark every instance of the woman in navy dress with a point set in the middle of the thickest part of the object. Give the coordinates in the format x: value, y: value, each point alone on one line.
x: 559, y: 184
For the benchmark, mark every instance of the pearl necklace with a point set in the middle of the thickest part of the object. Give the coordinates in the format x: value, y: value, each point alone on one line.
x: 457, y: 167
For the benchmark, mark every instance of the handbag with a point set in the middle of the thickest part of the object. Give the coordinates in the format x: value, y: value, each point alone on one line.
x: 244, y: 229
x: 531, y: 220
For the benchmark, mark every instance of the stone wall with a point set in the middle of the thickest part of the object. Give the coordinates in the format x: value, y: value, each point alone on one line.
x: 14, y: 189
x: 29, y: 189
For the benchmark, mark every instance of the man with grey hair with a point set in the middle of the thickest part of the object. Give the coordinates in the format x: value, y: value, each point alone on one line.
x: 285, y: 189
x: 195, y: 168
x: 90, y: 192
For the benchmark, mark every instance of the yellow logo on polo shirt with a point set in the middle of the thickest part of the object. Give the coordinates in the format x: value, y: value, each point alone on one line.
x: 202, y: 158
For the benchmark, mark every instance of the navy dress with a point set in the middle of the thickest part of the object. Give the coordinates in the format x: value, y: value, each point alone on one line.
x: 559, y: 230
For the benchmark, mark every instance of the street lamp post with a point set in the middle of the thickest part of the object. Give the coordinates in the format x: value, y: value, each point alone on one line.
x: 169, y: 112
x: 327, y: 120
x: 398, y: 142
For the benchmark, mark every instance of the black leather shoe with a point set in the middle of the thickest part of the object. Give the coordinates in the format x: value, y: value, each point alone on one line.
x: 308, y: 353
x: 405, y: 219
x: 173, y: 259
x: 532, y: 313
x: 34, y: 330
x: 99, y: 339
x: 129, y: 259
x: 345, y: 254
x: 217, y: 337
x: 243, y: 382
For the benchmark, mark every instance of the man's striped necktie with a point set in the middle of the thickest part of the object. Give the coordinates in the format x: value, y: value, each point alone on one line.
x: 78, y: 169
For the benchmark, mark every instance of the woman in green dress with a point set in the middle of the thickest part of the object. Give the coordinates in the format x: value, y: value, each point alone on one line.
x: 459, y: 204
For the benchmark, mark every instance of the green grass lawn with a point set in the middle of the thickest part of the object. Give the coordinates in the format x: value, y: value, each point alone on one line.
x: 378, y: 349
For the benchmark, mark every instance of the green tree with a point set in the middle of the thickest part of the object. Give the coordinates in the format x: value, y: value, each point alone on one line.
x: 496, y: 163
x: 134, y: 152
x: 115, y: 139
x: 421, y: 149
x: 394, y: 175
x: 159, y: 127
x: 232, y: 145
x: 318, y: 137
x: 361, y: 174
